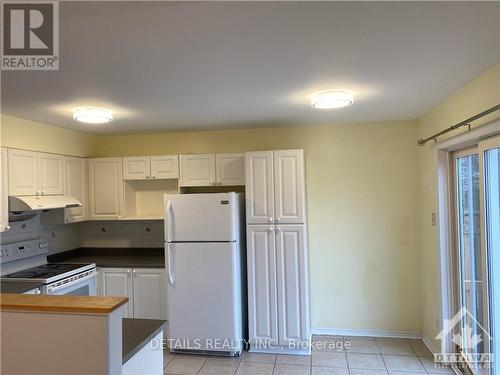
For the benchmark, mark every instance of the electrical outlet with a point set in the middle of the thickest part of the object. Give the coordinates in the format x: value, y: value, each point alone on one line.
x: 433, y: 219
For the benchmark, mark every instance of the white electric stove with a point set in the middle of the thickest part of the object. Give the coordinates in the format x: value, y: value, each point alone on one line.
x: 27, y: 262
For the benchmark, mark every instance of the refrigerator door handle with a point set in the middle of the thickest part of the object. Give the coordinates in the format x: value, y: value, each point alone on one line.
x: 169, y: 221
x: 169, y: 265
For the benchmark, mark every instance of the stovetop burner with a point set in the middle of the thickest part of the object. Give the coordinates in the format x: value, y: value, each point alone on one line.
x: 44, y: 271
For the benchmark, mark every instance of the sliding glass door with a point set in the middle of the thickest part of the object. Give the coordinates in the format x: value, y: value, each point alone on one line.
x: 477, y: 244
x: 470, y: 258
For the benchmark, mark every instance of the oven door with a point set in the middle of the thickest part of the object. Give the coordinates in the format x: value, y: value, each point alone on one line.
x: 83, y: 284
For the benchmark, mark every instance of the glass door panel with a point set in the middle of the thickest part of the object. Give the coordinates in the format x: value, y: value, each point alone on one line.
x: 472, y: 292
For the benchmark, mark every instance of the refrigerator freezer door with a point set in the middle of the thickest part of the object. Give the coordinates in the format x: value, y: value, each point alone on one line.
x: 204, y: 296
x: 201, y: 217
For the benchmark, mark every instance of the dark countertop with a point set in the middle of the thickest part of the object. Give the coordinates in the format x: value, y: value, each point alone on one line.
x: 137, y: 333
x: 18, y: 286
x: 113, y: 257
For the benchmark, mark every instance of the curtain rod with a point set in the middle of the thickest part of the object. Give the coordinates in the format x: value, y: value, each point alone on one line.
x: 467, y: 122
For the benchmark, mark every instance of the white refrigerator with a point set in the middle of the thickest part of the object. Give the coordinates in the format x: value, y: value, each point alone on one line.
x: 204, y: 260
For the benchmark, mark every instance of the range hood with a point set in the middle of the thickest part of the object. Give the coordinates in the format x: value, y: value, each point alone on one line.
x: 41, y: 202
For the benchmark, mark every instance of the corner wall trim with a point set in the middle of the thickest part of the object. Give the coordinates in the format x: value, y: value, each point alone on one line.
x: 367, y: 333
x: 430, y: 344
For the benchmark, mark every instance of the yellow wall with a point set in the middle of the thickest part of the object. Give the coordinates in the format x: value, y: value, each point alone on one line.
x: 478, y: 95
x: 362, y: 199
x: 371, y: 191
x: 31, y: 135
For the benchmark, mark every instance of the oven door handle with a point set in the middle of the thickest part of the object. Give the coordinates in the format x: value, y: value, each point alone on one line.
x: 71, y: 283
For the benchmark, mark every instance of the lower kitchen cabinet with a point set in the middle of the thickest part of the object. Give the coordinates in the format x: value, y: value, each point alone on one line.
x: 145, y: 288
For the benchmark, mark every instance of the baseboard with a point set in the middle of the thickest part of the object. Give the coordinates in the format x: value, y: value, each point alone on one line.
x: 367, y: 333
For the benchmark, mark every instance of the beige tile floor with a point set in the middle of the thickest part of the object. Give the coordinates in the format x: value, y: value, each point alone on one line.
x: 356, y: 356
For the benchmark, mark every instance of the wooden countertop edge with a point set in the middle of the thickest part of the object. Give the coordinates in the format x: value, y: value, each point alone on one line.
x: 69, y: 304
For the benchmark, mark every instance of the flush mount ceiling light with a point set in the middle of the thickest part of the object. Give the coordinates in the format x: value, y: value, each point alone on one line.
x: 93, y: 115
x: 332, y: 99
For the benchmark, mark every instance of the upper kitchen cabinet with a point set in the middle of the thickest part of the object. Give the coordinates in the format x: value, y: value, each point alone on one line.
x: 50, y: 174
x: 259, y: 187
x: 211, y: 169
x: 275, y: 191
x: 75, y: 175
x: 165, y: 167
x: 197, y: 170
x: 158, y: 167
x: 105, y: 188
x: 230, y: 169
x: 4, y: 205
x: 32, y: 173
x: 136, y: 167
x: 289, y: 189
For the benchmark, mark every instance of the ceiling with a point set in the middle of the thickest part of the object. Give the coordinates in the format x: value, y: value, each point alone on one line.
x: 202, y: 65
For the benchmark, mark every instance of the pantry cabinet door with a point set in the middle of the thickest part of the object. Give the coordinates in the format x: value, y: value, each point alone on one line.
x: 149, y: 293
x: 230, y: 169
x: 4, y: 195
x: 105, y: 188
x: 289, y: 189
x: 136, y: 168
x: 292, y: 284
x: 23, y: 172
x: 75, y: 185
x: 261, y: 263
x: 117, y: 282
x: 197, y: 170
x: 259, y: 190
x: 164, y: 167
x: 51, y: 174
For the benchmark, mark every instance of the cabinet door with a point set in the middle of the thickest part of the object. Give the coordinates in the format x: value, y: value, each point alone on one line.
x: 149, y: 293
x: 289, y: 190
x: 292, y: 284
x: 105, y: 188
x: 75, y: 185
x: 117, y: 282
x: 136, y: 168
x: 230, y: 169
x: 4, y: 195
x: 23, y: 172
x: 261, y: 263
x: 50, y: 174
x: 164, y: 166
x: 197, y: 170
x: 259, y: 187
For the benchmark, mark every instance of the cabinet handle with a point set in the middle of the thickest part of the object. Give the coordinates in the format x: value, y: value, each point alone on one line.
x: 271, y: 229
x: 7, y: 227
x: 153, y: 176
x: 134, y: 272
x: 147, y: 177
x: 277, y: 219
x: 278, y: 229
x: 128, y: 271
x: 271, y: 220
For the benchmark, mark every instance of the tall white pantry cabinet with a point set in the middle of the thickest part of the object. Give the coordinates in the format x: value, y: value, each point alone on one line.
x: 277, y: 256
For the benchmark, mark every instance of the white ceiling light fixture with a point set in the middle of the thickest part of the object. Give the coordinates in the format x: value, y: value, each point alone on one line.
x: 93, y: 115
x: 332, y: 99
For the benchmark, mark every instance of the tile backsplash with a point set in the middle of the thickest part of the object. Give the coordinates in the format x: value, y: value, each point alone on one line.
x: 122, y: 233
x: 62, y: 237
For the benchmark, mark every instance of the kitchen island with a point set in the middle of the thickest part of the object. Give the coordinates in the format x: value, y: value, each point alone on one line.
x: 85, y: 334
